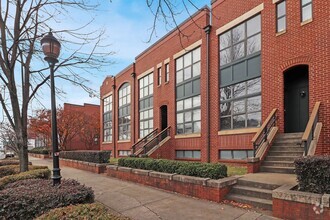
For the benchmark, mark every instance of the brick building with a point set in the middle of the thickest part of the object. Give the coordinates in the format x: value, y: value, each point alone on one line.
x: 210, y: 91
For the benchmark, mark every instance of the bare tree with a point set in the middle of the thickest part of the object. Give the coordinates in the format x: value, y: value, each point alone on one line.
x: 8, y: 137
x: 22, y: 69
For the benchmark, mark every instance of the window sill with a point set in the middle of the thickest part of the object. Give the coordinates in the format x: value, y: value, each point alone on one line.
x: 107, y: 142
x: 306, y: 22
x: 280, y: 33
x: 238, y: 131
x: 167, y: 82
x: 180, y: 136
x: 124, y: 141
x: 188, y: 159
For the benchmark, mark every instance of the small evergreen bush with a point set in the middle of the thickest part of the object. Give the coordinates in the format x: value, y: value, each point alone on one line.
x: 313, y: 174
x: 32, y: 174
x: 206, y: 170
x: 39, y: 150
x: 14, y: 169
x: 28, y: 199
x: 87, y: 156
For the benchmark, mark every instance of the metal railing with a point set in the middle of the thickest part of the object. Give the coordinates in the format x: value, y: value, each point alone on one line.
x: 262, y: 135
x: 308, y: 135
x: 157, y: 139
x: 138, y: 145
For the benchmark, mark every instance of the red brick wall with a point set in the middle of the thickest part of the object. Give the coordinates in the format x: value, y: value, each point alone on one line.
x: 295, y: 210
x: 89, y: 109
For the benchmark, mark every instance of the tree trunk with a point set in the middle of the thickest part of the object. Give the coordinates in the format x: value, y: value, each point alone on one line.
x: 23, y: 157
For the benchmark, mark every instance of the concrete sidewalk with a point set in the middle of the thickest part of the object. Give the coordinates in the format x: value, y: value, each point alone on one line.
x: 141, y: 202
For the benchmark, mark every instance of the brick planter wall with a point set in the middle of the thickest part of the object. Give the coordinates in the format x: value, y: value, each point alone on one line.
x: 290, y: 204
x: 42, y: 156
x: 82, y: 165
x: 203, y: 188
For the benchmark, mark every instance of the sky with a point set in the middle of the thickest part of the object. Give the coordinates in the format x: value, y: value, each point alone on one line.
x: 127, y: 25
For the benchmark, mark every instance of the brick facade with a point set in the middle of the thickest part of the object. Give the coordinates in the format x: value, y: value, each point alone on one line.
x: 302, y: 44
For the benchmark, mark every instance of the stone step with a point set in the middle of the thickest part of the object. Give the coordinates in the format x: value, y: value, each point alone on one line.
x: 252, y: 192
x: 287, y: 142
x: 290, y: 135
x: 286, y: 153
x: 277, y: 148
x: 257, y: 202
x: 278, y: 164
x: 248, y: 183
x: 273, y: 169
x: 280, y: 158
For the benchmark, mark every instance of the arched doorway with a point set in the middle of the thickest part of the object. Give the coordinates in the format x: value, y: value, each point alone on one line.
x: 163, y: 117
x: 296, y: 95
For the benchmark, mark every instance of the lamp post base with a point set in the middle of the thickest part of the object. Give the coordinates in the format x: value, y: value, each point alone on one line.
x: 56, y: 176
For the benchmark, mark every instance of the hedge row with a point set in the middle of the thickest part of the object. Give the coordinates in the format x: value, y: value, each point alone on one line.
x: 10, y: 162
x: 32, y: 174
x: 313, y: 174
x: 82, y: 211
x: 206, y: 170
x: 88, y: 156
x: 28, y: 199
x: 15, y: 169
x: 39, y: 150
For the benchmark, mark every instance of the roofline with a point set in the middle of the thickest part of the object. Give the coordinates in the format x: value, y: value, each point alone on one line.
x: 173, y: 30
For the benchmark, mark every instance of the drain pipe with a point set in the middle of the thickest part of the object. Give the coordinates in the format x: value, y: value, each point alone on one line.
x: 114, y: 117
x: 207, y: 30
x: 133, y: 100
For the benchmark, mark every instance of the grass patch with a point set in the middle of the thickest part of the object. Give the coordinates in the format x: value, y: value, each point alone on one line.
x: 236, y: 170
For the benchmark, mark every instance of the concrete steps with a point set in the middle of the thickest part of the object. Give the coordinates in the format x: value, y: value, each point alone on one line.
x: 285, y: 149
x: 252, y: 193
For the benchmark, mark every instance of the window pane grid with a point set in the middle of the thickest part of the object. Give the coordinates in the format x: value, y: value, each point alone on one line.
x: 235, y: 154
x: 234, y: 44
x: 240, y: 105
x: 281, y: 16
x: 146, y: 107
x: 107, y: 119
x: 306, y: 10
x: 189, y: 154
x: 124, y: 111
x: 189, y: 116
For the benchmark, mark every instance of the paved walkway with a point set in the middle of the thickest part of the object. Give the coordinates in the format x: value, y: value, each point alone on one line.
x: 141, y: 202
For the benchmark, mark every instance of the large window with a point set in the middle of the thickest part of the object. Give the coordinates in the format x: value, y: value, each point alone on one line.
x: 240, y: 105
x: 146, y: 105
x: 306, y: 10
x: 124, y: 112
x: 107, y: 119
x: 241, y: 41
x: 281, y: 16
x: 188, y: 99
x: 240, y: 70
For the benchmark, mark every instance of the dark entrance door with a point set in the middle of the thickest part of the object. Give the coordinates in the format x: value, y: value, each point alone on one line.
x: 296, y: 99
x: 163, y: 113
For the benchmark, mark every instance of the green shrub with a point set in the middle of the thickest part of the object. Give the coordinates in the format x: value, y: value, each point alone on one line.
x: 15, y: 169
x: 32, y: 174
x: 82, y: 211
x: 206, y: 170
x: 39, y: 150
x: 10, y: 162
x: 88, y: 156
x: 313, y: 174
x: 27, y: 199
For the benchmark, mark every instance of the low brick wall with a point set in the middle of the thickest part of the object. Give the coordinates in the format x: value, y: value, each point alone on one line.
x: 203, y: 188
x: 291, y: 204
x: 42, y: 156
x: 82, y: 165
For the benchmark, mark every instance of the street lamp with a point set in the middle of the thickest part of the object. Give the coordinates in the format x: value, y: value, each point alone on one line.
x: 51, y: 48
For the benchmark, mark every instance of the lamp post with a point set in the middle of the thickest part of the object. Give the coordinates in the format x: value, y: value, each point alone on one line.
x: 51, y: 48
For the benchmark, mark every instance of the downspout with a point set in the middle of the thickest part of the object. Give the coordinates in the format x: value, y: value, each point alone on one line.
x: 207, y: 30
x: 133, y: 100
x: 114, y: 117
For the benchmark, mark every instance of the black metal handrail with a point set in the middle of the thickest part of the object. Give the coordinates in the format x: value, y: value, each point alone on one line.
x: 262, y: 135
x: 157, y: 139
x: 138, y: 145
x: 308, y: 135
